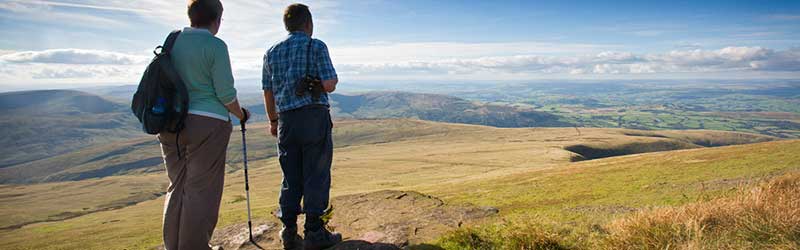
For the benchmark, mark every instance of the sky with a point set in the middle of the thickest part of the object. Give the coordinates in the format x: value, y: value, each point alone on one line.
x: 74, y: 43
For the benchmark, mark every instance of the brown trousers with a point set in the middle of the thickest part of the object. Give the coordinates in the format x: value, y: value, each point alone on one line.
x: 196, y: 177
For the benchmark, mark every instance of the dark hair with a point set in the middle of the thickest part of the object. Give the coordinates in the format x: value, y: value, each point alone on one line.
x: 204, y: 12
x: 296, y: 17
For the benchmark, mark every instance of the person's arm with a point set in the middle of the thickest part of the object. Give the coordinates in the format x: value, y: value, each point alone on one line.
x: 269, y: 106
x: 269, y: 98
x: 222, y: 80
x: 326, y: 71
x: 236, y: 110
x: 272, y: 114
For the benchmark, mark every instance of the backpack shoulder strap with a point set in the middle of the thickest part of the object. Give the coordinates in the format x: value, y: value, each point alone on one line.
x: 169, y: 71
x: 170, y: 42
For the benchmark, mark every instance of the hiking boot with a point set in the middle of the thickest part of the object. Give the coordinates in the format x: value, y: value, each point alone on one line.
x: 290, y: 239
x: 321, y: 239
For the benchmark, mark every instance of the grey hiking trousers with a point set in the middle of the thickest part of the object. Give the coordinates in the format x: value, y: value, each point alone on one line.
x: 196, y: 175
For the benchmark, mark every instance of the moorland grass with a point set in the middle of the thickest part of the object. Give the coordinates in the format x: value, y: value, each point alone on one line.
x: 763, y: 217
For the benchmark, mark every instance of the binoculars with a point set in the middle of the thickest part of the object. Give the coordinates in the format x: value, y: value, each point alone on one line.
x: 309, y: 84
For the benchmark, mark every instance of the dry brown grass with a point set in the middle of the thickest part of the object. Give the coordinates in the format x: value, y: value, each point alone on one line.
x: 765, y: 217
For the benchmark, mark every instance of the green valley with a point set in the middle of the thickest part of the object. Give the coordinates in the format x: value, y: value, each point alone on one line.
x: 569, y: 185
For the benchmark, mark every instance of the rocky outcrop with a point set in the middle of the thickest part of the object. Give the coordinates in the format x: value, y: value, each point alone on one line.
x: 379, y: 220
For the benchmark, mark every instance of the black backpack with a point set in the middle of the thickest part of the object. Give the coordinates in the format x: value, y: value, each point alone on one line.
x: 161, y: 102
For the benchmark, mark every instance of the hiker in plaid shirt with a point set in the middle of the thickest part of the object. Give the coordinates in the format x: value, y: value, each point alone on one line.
x: 303, y: 126
x: 285, y: 63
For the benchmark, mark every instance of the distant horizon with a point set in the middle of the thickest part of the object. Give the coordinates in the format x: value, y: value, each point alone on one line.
x: 252, y: 85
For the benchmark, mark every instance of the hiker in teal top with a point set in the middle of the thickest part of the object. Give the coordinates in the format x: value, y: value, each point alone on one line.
x: 202, y: 61
x: 195, y: 156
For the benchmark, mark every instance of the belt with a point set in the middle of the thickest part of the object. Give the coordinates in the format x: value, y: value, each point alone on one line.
x: 310, y: 106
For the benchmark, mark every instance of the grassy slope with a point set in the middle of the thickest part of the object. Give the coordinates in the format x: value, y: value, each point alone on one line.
x: 443, y: 159
x: 587, y: 195
x: 635, y: 181
x: 142, y: 155
x: 57, y: 201
x: 136, y: 154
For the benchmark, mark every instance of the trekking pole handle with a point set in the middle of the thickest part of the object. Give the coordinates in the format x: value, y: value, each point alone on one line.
x: 244, y: 120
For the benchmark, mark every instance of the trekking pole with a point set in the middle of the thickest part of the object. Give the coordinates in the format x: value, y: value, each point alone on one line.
x: 247, y: 182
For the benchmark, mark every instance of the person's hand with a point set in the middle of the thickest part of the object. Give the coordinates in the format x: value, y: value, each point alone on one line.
x: 329, y: 85
x: 245, y: 116
x: 273, y: 128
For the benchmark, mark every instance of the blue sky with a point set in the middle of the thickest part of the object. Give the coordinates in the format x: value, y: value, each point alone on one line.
x: 98, y: 42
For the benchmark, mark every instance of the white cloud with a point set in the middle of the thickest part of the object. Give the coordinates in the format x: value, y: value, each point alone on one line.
x: 679, y: 61
x: 788, y: 60
x: 159, y: 9
x: 73, y: 56
x: 70, y: 66
x: 33, y: 11
x: 66, y: 73
x: 89, y: 66
x: 16, y: 5
x: 247, y: 24
x: 76, y: 73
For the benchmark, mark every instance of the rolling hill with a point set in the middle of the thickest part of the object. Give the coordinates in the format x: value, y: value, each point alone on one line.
x: 393, y: 104
x: 45, y: 132
x: 431, y: 107
x: 142, y: 155
x: 524, y: 172
x: 40, y: 124
x: 440, y: 108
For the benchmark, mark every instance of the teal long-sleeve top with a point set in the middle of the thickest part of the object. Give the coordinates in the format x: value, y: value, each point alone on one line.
x: 204, y: 65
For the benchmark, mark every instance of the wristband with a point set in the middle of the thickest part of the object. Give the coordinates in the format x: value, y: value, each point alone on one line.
x: 273, y: 121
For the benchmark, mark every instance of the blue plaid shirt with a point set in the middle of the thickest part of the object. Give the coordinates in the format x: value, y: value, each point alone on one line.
x: 285, y: 63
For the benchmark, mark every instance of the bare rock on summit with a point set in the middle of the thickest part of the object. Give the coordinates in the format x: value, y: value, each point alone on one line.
x: 382, y: 220
x: 399, y: 218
